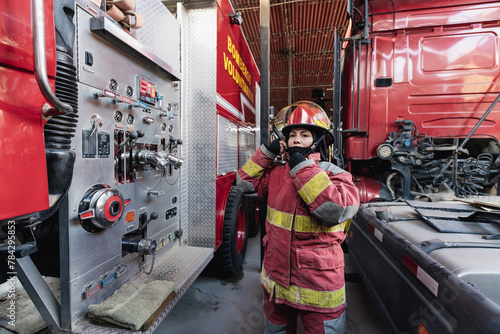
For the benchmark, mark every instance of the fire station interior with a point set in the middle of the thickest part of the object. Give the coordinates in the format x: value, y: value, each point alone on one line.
x: 300, y: 65
x: 123, y: 214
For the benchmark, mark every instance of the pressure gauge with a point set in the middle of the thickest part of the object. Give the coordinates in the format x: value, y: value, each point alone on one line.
x: 163, y: 126
x: 113, y: 85
x: 118, y: 116
x: 129, y: 91
x: 130, y: 119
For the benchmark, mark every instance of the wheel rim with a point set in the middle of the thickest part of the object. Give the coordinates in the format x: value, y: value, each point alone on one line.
x: 240, y: 229
x: 257, y: 211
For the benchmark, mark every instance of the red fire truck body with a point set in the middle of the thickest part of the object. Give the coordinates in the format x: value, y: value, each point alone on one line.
x: 21, y: 112
x: 419, y: 121
x: 434, y: 65
x: 237, y: 101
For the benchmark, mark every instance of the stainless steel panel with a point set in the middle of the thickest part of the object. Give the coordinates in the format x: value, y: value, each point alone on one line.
x: 227, y: 146
x: 92, y: 255
x: 199, y: 123
x: 79, y: 304
x: 108, y: 63
x: 150, y: 40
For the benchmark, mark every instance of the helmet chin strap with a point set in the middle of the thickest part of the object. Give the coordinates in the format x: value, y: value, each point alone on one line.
x: 315, y: 144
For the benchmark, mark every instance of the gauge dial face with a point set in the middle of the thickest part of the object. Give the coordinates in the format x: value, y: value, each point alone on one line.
x: 129, y: 91
x: 113, y: 85
x: 163, y: 126
x: 130, y: 119
x: 118, y: 116
x: 170, y: 128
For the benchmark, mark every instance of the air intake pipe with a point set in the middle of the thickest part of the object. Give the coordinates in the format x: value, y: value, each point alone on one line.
x: 60, y: 129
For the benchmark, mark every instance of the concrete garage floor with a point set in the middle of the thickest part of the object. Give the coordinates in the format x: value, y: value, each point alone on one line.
x: 234, y: 306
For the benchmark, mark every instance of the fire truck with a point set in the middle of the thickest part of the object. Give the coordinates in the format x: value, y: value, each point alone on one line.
x: 412, y: 97
x: 417, y: 124
x: 119, y: 149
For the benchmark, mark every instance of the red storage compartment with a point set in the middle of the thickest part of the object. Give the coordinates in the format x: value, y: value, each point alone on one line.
x: 23, y: 171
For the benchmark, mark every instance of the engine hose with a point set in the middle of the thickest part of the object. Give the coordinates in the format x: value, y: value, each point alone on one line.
x: 389, y: 186
x: 60, y: 129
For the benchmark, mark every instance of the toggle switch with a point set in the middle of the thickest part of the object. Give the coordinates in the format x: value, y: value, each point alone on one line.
x: 89, y: 59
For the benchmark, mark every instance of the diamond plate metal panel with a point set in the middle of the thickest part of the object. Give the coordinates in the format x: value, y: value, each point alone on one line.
x: 182, y: 265
x: 162, y: 37
x: 247, y: 145
x: 227, y: 146
x: 199, y: 123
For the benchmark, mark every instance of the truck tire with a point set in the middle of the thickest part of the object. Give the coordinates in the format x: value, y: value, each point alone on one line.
x: 230, y: 256
x: 253, y: 206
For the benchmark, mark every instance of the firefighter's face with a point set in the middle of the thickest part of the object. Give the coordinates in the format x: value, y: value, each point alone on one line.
x: 300, y: 138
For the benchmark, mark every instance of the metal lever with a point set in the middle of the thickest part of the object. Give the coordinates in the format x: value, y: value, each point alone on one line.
x: 152, y: 216
x: 104, y: 93
x: 168, y: 114
x: 132, y: 137
x: 175, y: 160
x: 97, y: 95
x: 156, y: 192
x: 40, y: 61
x: 138, y: 104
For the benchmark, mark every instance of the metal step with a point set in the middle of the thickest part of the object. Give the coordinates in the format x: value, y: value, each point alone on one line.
x: 181, y: 265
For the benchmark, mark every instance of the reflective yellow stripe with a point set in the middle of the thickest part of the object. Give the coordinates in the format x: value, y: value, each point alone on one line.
x: 268, y: 283
x: 314, y: 187
x: 305, y: 224
x: 347, y: 224
x: 310, y: 225
x: 299, y: 295
x: 279, y: 218
x: 252, y: 169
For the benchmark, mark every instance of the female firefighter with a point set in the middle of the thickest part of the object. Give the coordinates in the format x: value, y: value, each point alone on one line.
x: 309, y: 206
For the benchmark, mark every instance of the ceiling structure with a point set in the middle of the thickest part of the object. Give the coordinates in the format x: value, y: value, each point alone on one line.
x: 301, y: 32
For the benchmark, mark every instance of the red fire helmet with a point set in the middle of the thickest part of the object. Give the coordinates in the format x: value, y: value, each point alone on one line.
x: 307, y: 115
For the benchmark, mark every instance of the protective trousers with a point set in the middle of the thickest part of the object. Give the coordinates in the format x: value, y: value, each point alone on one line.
x: 282, y: 319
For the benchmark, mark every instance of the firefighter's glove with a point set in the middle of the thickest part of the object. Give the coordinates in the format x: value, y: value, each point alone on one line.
x: 274, y: 147
x: 295, y: 159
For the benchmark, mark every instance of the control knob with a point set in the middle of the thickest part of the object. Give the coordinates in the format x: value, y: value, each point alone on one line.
x: 100, y: 208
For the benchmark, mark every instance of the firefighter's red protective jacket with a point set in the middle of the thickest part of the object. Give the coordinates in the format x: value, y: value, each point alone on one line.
x: 308, y: 213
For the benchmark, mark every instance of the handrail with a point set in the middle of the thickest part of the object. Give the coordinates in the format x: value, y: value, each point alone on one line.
x: 39, y: 59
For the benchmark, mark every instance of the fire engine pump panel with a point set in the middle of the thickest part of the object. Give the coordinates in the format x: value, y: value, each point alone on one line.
x: 141, y: 143
x: 123, y: 204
